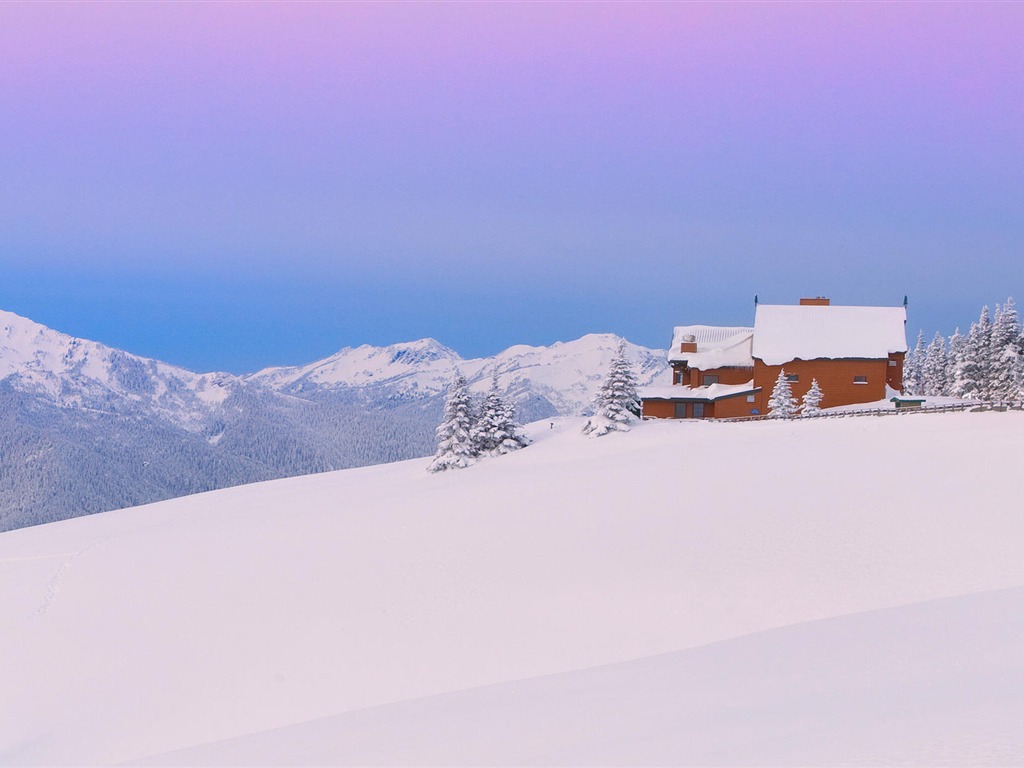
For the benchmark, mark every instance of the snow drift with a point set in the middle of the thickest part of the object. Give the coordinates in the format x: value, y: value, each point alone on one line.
x: 594, y: 601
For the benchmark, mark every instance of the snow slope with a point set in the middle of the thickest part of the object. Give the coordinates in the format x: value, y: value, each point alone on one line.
x: 939, y: 683
x: 373, y: 596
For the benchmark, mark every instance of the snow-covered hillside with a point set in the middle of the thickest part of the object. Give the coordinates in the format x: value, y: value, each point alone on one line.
x: 520, y: 611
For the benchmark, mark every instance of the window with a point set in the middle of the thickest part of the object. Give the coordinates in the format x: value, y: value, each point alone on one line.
x: 710, y: 378
x: 680, y: 410
x: 892, y: 363
x: 750, y: 398
x: 792, y: 377
x: 860, y: 379
x: 698, y: 410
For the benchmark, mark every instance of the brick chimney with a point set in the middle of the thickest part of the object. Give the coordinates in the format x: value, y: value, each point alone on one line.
x: 689, y: 343
x: 817, y: 301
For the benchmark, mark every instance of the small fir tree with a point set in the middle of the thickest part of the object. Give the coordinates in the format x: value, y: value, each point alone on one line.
x: 936, y: 367
x: 455, y: 444
x: 1018, y: 375
x: 616, y: 403
x: 496, y: 431
x: 782, y: 404
x: 1005, y: 353
x: 913, y: 368
x: 976, y: 370
x: 811, y: 402
x: 955, y: 360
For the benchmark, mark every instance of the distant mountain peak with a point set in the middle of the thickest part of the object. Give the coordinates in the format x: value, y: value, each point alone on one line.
x: 421, y: 351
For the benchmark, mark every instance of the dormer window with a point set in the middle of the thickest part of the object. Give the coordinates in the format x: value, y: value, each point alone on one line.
x: 709, y: 379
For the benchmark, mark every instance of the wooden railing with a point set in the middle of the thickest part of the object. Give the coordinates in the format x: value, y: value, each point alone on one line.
x: 975, y: 406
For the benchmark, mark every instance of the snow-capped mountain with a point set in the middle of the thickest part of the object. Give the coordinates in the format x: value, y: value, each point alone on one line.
x: 565, y: 375
x: 74, y: 372
x: 403, y: 365
x: 85, y: 427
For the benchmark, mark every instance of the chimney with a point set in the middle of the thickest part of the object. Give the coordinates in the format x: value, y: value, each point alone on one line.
x: 817, y: 301
x: 689, y: 343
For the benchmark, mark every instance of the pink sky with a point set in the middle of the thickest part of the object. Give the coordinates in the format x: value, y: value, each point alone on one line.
x: 514, y: 144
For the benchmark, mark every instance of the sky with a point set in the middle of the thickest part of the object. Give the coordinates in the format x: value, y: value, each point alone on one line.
x: 232, y: 186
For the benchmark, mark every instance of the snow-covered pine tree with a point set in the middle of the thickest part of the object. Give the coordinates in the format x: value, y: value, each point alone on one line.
x: 1005, y: 353
x: 782, y: 404
x: 811, y: 402
x: 934, y: 371
x: 616, y: 403
x: 913, y: 368
x: 976, y: 370
x: 955, y: 359
x: 496, y: 431
x: 455, y: 444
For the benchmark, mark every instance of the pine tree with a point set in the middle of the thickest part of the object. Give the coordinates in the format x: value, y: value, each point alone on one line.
x: 782, y: 404
x: 1005, y: 352
x: 496, y: 431
x: 455, y: 444
x: 955, y: 360
x: 1018, y: 376
x: 935, y: 370
x: 811, y: 402
x: 976, y: 370
x: 913, y: 368
x: 616, y: 403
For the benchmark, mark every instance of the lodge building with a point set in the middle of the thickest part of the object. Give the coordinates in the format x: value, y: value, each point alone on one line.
x: 855, y: 353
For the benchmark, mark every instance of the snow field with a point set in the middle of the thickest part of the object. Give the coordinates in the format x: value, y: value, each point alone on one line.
x: 207, y: 618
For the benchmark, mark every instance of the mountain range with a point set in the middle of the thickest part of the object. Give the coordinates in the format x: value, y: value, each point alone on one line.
x: 86, y: 428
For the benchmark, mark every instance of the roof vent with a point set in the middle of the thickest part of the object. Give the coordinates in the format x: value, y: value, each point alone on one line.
x: 817, y: 301
x: 690, y: 338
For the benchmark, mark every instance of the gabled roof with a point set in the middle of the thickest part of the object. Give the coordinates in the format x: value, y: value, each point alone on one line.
x: 785, y: 332
x: 717, y: 346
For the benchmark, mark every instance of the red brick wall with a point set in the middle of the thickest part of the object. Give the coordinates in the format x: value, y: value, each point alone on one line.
x: 731, y: 407
x: 894, y: 373
x: 835, y: 378
x: 658, y: 409
x: 725, y: 375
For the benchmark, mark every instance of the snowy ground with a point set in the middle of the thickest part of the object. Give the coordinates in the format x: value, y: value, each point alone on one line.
x: 888, y: 405
x: 688, y: 593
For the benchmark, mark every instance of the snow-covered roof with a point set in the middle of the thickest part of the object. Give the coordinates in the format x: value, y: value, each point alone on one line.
x: 717, y: 346
x: 710, y: 392
x: 786, y: 332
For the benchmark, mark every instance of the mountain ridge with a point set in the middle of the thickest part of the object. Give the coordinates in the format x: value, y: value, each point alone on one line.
x: 87, y: 427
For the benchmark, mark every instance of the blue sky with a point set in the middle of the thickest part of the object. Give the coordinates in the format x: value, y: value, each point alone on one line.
x: 240, y: 185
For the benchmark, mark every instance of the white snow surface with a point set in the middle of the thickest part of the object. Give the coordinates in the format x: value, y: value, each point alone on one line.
x: 888, y: 405
x: 663, y: 596
x: 785, y: 332
x: 717, y: 346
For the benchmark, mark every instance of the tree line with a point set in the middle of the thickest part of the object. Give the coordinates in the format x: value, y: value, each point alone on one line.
x: 986, y: 363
